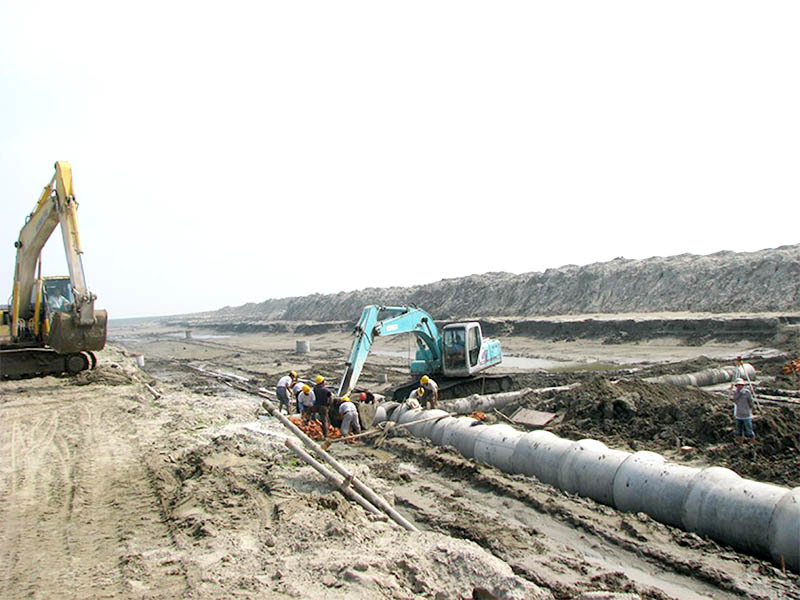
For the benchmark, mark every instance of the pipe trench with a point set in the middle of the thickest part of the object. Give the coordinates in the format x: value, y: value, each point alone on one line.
x: 758, y: 518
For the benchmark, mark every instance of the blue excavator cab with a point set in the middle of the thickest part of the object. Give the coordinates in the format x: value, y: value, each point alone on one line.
x: 465, y: 351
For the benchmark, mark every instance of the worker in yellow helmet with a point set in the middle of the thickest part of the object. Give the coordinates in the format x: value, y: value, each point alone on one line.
x: 322, y: 403
x: 432, y: 392
x: 349, y: 415
x: 282, y: 390
x: 305, y: 402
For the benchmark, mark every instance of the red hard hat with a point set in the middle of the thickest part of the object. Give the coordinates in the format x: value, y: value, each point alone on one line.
x: 363, y: 396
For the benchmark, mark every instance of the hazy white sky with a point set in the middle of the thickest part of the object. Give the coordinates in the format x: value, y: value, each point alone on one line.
x: 231, y: 152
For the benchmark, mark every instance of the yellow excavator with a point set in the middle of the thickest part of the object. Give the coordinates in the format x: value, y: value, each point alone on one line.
x: 51, y: 325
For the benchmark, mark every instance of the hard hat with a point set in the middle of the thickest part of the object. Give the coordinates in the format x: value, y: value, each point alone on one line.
x: 306, y: 389
x: 345, y: 398
x: 362, y: 396
x: 293, y: 374
x: 421, y: 391
x: 319, y: 379
x: 425, y: 379
x: 739, y: 381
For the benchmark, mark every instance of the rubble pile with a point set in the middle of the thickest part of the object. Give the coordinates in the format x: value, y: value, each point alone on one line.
x: 313, y: 428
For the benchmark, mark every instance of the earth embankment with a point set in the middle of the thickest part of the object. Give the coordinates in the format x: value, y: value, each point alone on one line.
x: 725, y: 282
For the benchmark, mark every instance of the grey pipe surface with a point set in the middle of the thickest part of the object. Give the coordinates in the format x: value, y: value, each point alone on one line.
x: 708, y: 376
x: 754, y: 517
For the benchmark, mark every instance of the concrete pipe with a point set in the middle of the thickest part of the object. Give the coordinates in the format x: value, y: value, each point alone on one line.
x: 544, y: 462
x: 438, y: 428
x: 453, y: 429
x: 784, y: 530
x: 527, y: 445
x: 409, y: 416
x: 646, y: 483
x: 423, y: 430
x: 588, y: 468
x: 465, y: 438
x: 302, y: 347
x: 732, y: 510
x: 495, y: 445
x: 709, y: 376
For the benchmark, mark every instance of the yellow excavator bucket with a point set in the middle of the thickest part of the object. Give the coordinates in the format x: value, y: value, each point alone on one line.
x: 68, y: 337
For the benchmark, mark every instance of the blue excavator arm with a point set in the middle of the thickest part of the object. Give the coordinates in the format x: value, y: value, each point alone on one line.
x: 389, y: 320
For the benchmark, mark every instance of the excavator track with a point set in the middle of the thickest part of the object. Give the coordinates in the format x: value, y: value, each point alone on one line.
x: 457, y: 387
x: 21, y: 363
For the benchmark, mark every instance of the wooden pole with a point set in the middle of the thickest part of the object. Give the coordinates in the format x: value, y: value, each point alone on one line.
x: 357, y: 484
x: 342, y: 485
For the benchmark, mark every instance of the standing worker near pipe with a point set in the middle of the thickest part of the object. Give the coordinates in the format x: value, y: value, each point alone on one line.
x: 743, y: 411
x: 322, y: 403
x: 282, y: 390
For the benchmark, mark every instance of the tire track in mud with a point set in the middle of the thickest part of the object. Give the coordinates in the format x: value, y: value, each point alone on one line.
x: 79, y: 501
x: 530, y: 529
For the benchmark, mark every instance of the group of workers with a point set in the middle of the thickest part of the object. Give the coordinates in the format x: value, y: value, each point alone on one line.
x: 316, y: 402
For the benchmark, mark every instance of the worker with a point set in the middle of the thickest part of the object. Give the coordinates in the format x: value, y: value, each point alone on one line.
x: 282, y: 390
x: 367, y: 397
x: 416, y: 399
x: 56, y: 301
x: 349, y: 415
x: 296, y: 389
x: 322, y: 402
x: 432, y: 388
x: 742, y: 400
x: 305, y: 402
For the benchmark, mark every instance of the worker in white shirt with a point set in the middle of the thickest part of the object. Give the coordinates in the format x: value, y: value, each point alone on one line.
x: 305, y: 400
x: 296, y: 389
x: 282, y: 390
x: 349, y: 414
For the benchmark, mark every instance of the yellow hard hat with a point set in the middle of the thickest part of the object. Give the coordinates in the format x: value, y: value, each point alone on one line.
x: 425, y: 379
x: 293, y: 374
x: 319, y: 379
x: 345, y: 398
x: 306, y: 389
x: 421, y: 391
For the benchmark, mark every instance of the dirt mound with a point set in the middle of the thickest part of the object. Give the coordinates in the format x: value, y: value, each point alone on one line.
x: 763, y: 281
x: 636, y: 415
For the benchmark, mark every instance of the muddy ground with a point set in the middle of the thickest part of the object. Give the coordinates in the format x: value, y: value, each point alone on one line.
x: 157, y: 482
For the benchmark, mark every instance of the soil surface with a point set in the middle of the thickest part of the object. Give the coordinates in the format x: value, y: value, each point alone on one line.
x: 159, y: 482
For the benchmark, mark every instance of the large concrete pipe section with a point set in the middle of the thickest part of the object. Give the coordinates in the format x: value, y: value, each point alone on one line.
x: 495, y: 446
x: 759, y: 518
x: 589, y: 468
x: 708, y: 377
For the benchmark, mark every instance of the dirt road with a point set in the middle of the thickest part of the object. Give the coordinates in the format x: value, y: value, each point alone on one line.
x: 109, y: 491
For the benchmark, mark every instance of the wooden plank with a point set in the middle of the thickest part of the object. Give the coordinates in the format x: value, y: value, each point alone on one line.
x: 532, y: 418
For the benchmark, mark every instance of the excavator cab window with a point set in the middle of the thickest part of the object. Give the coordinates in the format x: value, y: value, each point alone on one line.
x: 454, y: 348
x: 474, y: 345
x: 58, y: 295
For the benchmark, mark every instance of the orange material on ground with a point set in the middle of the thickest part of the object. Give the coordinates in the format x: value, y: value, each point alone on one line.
x: 313, y: 429
x: 478, y: 415
x: 793, y: 366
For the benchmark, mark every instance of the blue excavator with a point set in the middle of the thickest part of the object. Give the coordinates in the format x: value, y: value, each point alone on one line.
x: 455, y: 356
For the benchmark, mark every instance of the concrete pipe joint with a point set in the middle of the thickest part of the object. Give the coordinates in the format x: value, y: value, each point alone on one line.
x: 495, y: 445
x: 646, y: 483
x: 436, y: 432
x: 453, y: 430
x: 588, y: 468
x: 540, y: 455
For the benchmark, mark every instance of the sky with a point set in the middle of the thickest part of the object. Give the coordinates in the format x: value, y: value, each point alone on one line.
x: 232, y: 152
